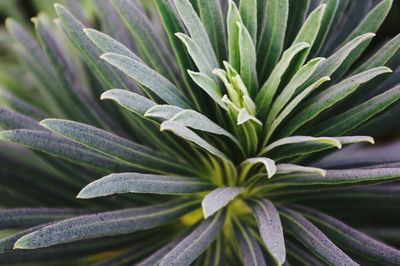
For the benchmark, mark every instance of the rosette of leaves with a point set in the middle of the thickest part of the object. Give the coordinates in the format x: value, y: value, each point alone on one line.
x: 209, y: 139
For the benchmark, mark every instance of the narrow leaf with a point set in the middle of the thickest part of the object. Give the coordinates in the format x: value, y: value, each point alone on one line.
x: 163, y: 111
x: 292, y: 168
x: 354, y: 117
x: 196, y: 29
x: 109, y: 45
x: 312, y: 238
x: 287, y: 93
x: 219, y: 198
x: 269, y: 165
x: 143, y: 183
x: 129, y: 100
x: 196, y: 242
x: 249, y: 248
x: 212, y: 17
x: 61, y: 147
x: 331, y: 64
x: 351, y: 239
x: 195, y: 52
x: 187, y: 134
x: 248, y: 12
x: 209, y: 86
x: 301, y: 139
x: 106, y: 224
x: 112, y: 145
x: 28, y: 217
x: 148, y: 78
x: 269, y: 225
x: 329, y: 97
x: 248, y: 59
x: 267, y: 92
x: 337, y: 177
x: 232, y: 18
x: 271, y: 40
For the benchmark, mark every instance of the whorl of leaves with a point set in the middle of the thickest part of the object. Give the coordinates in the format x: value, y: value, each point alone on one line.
x: 206, y: 147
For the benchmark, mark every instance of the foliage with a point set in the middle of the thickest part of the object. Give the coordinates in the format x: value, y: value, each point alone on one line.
x: 207, y: 146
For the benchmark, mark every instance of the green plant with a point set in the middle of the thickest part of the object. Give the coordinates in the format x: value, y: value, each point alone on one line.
x: 222, y: 117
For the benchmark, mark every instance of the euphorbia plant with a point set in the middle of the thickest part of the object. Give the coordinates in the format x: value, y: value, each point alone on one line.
x: 210, y: 153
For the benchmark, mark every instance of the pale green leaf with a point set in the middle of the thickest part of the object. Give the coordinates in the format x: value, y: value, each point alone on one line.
x: 143, y: 183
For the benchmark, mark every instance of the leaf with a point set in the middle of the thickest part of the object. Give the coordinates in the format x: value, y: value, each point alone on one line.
x: 269, y: 225
x: 244, y: 116
x: 14, y: 120
x: 28, y: 217
x: 232, y: 18
x: 198, y: 121
x: 251, y: 251
x: 219, y: 198
x: 326, y: 23
x: 304, y: 148
x: 293, y: 104
x: 163, y: 111
x: 196, y: 242
x: 74, y: 30
x: 187, y: 134
x: 299, y: 254
x: 297, y: 80
x: 151, y: 46
x: 248, y: 12
x: 248, y: 59
x: 217, y: 252
x: 212, y: 16
x: 309, y: 31
x: 292, y: 168
x: 129, y: 100
x: 354, y: 117
x: 351, y: 239
x: 196, y: 29
x: 333, y: 62
x: 148, y: 78
x: 209, y: 86
x: 270, y: 44
x: 269, y: 165
x: 155, y: 258
x: 329, y: 97
x: 342, y: 177
x: 267, y: 92
x: 382, y: 56
x: 301, y: 139
x: 141, y: 157
x: 196, y: 54
x: 143, y: 183
x: 371, y: 23
x: 355, y: 139
x: 312, y: 238
x: 62, y: 148
x: 172, y: 25
x: 106, y: 224
x: 109, y: 45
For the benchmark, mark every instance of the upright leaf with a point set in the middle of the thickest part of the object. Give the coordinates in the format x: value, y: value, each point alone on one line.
x: 270, y: 44
x: 196, y: 29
